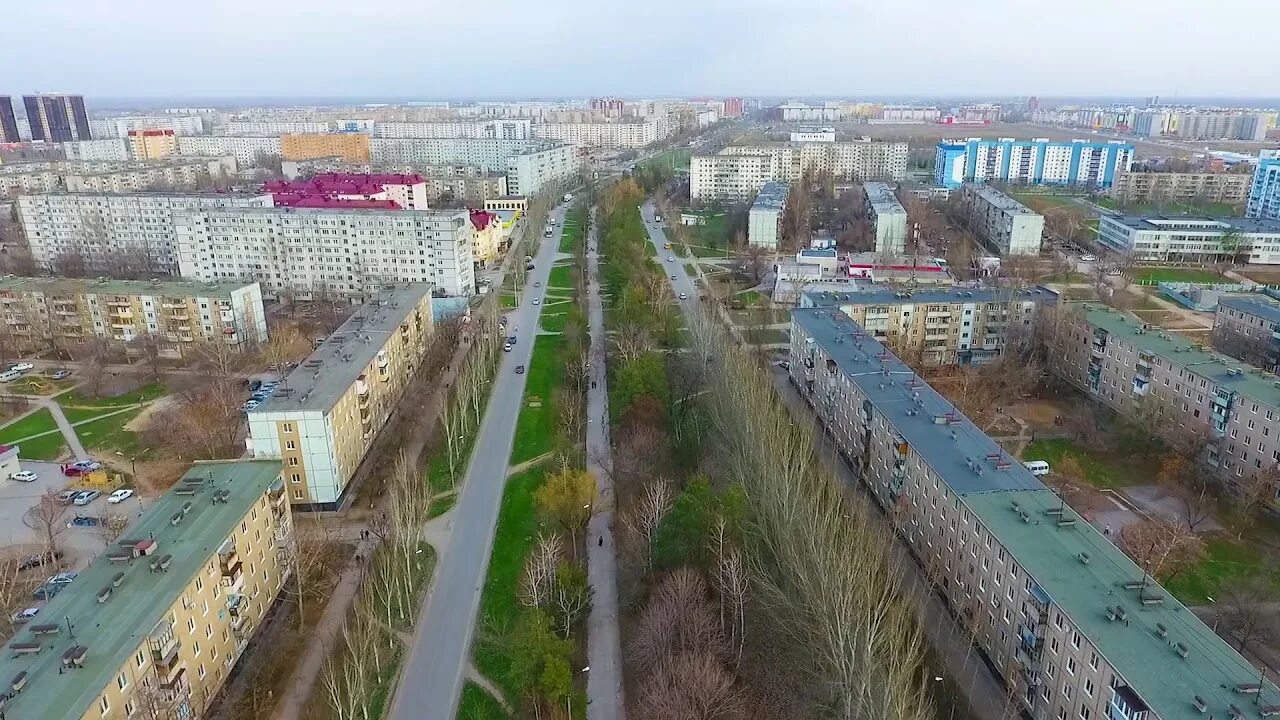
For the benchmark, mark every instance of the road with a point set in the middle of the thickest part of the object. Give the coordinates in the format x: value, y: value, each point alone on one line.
x: 604, y: 647
x: 962, y: 662
x: 431, y: 681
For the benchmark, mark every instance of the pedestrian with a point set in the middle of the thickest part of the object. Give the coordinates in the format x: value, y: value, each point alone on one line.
x: 601, y: 541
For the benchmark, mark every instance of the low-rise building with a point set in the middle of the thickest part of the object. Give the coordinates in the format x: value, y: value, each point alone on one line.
x: 1220, y: 187
x: 1074, y: 627
x: 906, y: 270
x: 328, y: 412
x: 154, y: 626
x: 39, y: 313
x: 517, y: 203
x: 1247, y: 327
x: 1003, y: 224
x: 488, y: 237
x: 814, y: 135
x: 887, y: 216
x: 764, y: 219
x: 1192, y: 239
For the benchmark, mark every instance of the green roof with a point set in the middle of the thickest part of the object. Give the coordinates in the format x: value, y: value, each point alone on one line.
x: 69, y: 286
x: 1148, y: 662
x: 1254, y: 383
x: 113, y: 630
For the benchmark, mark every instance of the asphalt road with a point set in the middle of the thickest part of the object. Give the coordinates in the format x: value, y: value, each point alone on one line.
x: 431, y: 680
x: 682, y: 282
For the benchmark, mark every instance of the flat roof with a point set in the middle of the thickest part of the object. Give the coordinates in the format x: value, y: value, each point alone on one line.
x: 113, y: 630
x: 1264, y: 307
x: 322, y: 379
x: 772, y: 196
x: 1000, y: 200
x: 882, y: 198
x: 1173, y: 223
x: 69, y: 286
x: 1250, y: 381
x: 880, y: 295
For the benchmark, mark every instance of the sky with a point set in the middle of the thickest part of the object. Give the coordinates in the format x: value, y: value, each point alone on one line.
x: 451, y: 49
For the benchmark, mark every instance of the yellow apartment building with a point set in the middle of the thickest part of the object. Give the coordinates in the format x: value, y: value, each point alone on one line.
x: 326, y: 414
x: 152, y: 144
x: 154, y: 625
x: 351, y: 147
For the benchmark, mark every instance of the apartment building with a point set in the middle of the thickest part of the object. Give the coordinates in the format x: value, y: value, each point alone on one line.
x: 887, y: 216
x: 505, y: 129
x: 347, y: 252
x: 111, y: 232
x: 732, y: 178
x: 352, y: 147
x: 488, y: 236
x: 1005, y: 225
x: 406, y: 191
x: 1119, y: 360
x: 1192, y: 239
x: 764, y: 219
x: 530, y: 165
x: 1264, y: 191
x: 57, y: 118
x: 276, y: 127
x: 152, y: 144
x: 533, y: 171
x: 1247, y: 327
x: 39, y: 312
x: 246, y: 149
x: 8, y: 121
x: 77, y: 176
x: 120, y: 127
x: 461, y: 182
x: 104, y: 150
x: 940, y: 326
x: 739, y: 171
x: 154, y: 626
x: 1232, y: 188
x: 1039, y: 161
x: 328, y: 412
x: 611, y: 135
x: 1076, y: 629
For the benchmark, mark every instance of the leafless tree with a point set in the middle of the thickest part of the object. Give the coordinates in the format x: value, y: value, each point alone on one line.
x: 678, y: 618
x: 112, y: 527
x: 693, y: 686
x: 48, y: 517
x: 1161, y: 548
x: 150, y: 347
x: 538, y: 583
x: 1247, y: 618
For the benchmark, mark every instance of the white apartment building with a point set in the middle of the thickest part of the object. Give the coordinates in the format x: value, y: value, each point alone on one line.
x: 110, y: 232
x: 1191, y: 239
x: 79, y: 176
x: 1005, y: 225
x: 531, y: 171
x: 764, y: 219
x: 501, y: 129
x: 612, y: 135
x: 530, y: 165
x: 275, y: 127
x: 814, y: 135
x: 887, y: 216
x: 728, y: 177
x: 106, y: 150
x: 346, y: 252
x: 460, y: 181
x: 121, y: 127
x: 244, y: 148
x: 720, y: 177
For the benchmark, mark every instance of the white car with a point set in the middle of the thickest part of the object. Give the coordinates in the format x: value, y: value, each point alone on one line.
x: 671, y: 258
x: 22, y: 366
x: 24, y: 476
x: 120, y: 496
x: 506, y: 348
x: 684, y: 296
x: 24, y: 615
x: 537, y: 301
x: 1089, y: 258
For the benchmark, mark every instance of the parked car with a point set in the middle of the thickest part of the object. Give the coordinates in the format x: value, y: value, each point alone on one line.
x: 120, y: 496
x: 24, y: 476
x: 25, y: 615
x: 66, y: 496
x: 519, y: 369
x: 511, y: 339
x: 47, y: 591
x: 1088, y: 258
x: 22, y: 366
x: 254, y: 385
x: 39, y: 559
x: 249, y: 405
x: 87, y: 465
x: 60, y: 374
x: 86, y: 497
x: 62, y: 578
x: 9, y: 375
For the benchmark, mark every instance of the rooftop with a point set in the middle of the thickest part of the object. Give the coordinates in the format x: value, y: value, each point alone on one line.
x: 1224, y: 371
x: 999, y: 199
x: 69, y: 286
x: 1188, y: 222
x: 772, y: 196
x: 1264, y: 307
x: 112, y: 630
x: 322, y: 379
x: 882, y: 198
x: 320, y: 201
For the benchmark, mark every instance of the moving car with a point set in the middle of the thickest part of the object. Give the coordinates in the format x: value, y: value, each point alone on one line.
x: 673, y: 277
x: 519, y: 369
x: 506, y: 348
x: 537, y: 301
x: 24, y: 476
x: 684, y: 296
x: 86, y: 497
x: 120, y: 496
x: 671, y: 258
x: 1088, y: 258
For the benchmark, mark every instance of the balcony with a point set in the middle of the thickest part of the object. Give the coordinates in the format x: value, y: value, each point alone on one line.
x: 119, y: 302
x: 233, y: 577
x: 178, y: 315
x: 176, y: 689
x: 163, y: 645
x: 173, y: 305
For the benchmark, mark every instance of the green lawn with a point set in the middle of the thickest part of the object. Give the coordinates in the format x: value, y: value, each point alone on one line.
x: 562, y: 277
x: 677, y: 159
x: 1225, y: 562
x: 476, y: 704
x: 552, y: 321
x: 1152, y: 276
x: 37, y: 422
x: 1104, y: 470
x: 142, y: 394
x: 45, y: 447
x: 690, y: 270
x: 109, y: 434
x: 1210, y: 209
x: 1042, y: 202
x: 535, y: 428
x: 507, y: 299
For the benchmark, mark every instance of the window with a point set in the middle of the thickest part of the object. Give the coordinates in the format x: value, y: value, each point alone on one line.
x: 1071, y: 666
x: 293, y: 461
x: 140, y: 658
x: 122, y: 682
x: 201, y: 671
x: 191, y: 625
x: 290, y: 445
x: 1075, y: 640
x: 104, y: 703
x: 1088, y: 688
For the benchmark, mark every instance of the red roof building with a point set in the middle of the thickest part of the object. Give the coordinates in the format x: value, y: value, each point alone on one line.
x: 387, y: 190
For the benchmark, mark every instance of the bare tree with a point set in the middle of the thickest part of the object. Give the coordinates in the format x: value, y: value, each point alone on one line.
x: 1161, y: 548
x: 693, y: 686
x: 538, y: 583
x: 1246, y: 615
x: 678, y: 618
x: 150, y: 347
x: 112, y: 526
x: 48, y: 517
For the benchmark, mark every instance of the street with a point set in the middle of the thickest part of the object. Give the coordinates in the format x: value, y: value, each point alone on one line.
x: 431, y: 680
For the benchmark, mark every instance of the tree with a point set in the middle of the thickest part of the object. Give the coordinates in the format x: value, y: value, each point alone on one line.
x: 640, y: 376
x: 48, y: 517
x: 692, y: 686
x: 1245, y: 610
x: 96, y: 353
x: 149, y: 347
x: 566, y: 498
x: 683, y: 535
x: 1254, y: 492
x: 1162, y: 548
x: 571, y: 596
x: 540, y: 660
x: 540, y: 568
x: 679, y: 618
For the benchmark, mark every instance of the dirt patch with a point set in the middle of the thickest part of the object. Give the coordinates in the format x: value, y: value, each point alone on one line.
x: 1039, y: 414
x: 1264, y: 276
x: 153, y: 477
x: 139, y: 422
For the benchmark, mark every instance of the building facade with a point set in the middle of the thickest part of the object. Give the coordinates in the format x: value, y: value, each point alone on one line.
x: 1248, y: 328
x: 1005, y: 225
x: 1264, y: 192
x: 887, y: 216
x: 104, y: 150
x: 8, y: 121
x: 764, y: 219
x: 733, y: 178
x: 114, y: 233
x: 1230, y: 188
x: 154, y: 626
x: 63, y: 312
x: 328, y: 412
x: 405, y: 190
x: 276, y: 127
x: 611, y: 135
x: 152, y: 144
x: 57, y: 118
x: 1192, y: 239
x: 246, y: 149
x: 1072, y: 626
x: 1078, y: 162
x: 118, y: 177
x: 739, y: 171
x: 345, y: 252
x: 530, y: 165
x: 351, y: 147
x: 120, y: 127
x: 459, y: 182
x: 503, y: 128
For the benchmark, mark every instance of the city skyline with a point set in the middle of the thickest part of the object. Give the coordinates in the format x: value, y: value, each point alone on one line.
x: 398, y: 49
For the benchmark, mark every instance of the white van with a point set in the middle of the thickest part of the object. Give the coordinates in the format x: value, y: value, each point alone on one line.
x: 10, y: 375
x: 1037, y: 467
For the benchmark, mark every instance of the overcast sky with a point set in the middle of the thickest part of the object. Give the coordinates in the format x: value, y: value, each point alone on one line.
x: 495, y: 48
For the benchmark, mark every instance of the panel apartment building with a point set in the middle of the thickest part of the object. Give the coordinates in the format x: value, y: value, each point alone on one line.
x: 611, y: 135
x: 1003, y: 224
x: 1074, y: 627
x: 764, y: 219
x: 1248, y: 328
x: 1120, y: 360
x: 503, y: 128
x: 246, y: 149
x: 154, y: 626
x: 111, y: 177
x: 112, y: 233
x: 39, y: 312
x: 940, y: 326
x: 1038, y: 161
x: 1264, y: 192
x: 887, y: 216
x: 1192, y: 239
x: 730, y: 175
x: 348, y: 252
x: 465, y: 182
x: 327, y: 413
x: 1221, y: 187
x: 530, y: 165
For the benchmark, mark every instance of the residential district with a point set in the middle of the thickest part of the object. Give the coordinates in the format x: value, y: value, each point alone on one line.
x: 678, y: 408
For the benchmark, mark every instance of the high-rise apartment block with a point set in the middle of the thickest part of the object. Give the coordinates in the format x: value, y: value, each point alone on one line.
x: 103, y: 150
x: 887, y: 216
x: 246, y: 149
x: 1005, y: 225
x: 463, y: 182
x: 613, y: 135
x: 739, y: 171
x: 61, y: 312
x: 57, y: 118
x: 103, y: 231
x: 530, y: 165
x: 346, y: 252
x: 500, y: 129
x: 120, y: 127
x: 154, y: 625
x: 1039, y: 161
x: 1218, y: 187
x: 1248, y: 328
x: 115, y: 177
x: 352, y: 147
x: 1264, y: 193
x: 152, y: 144
x: 8, y: 121
x: 404, y: 190
x: 326, y: 414
x: 1071, y: 624
x: 1192, y: 239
